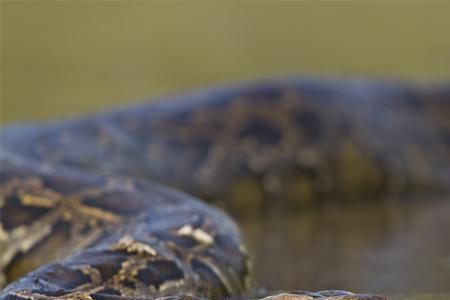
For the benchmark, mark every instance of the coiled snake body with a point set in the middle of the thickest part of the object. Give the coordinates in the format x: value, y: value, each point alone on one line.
x: 76, y: 200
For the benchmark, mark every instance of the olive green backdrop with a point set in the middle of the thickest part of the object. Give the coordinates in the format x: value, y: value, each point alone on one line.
x: 65, y: 58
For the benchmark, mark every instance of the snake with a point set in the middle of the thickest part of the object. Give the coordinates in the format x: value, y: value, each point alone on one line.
x: 105, y: 206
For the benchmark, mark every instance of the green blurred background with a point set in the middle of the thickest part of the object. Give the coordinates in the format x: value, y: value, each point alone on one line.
x: 61, y: 58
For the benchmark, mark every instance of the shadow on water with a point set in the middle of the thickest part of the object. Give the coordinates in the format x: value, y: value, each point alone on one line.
x: 390, y: 247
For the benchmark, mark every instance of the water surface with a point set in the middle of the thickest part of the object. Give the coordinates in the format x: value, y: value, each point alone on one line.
x: 392, y: 247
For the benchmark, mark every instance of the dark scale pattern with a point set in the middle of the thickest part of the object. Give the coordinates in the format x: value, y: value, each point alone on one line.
x: 63, y: 276
x: 125, y: 238
x: 208, y: 277
x: 13, y: 213
x: 310, y: 125
x: 108, y: 263
x: 263, y: 133
x: 158, y: 272
x: 129, y: 284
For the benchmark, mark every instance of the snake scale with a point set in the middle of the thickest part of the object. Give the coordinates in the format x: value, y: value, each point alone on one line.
x: 86, y: 214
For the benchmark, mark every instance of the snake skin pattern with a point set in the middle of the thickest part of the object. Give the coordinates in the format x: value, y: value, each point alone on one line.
x: 85, y: 200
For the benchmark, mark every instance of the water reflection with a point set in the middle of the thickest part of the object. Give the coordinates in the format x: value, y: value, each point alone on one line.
x: 390, y: 248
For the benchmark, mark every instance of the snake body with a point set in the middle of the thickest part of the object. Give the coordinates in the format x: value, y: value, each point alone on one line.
x: 84, y: 201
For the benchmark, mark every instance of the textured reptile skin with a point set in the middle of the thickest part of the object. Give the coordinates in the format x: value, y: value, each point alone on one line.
x: 79, y: 193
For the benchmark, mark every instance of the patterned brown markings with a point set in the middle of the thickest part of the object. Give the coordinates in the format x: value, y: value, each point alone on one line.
x: 76, y: 207
x: 130, y: 245
x: 108, y: 263
x: 42, y: 252
x: 236, y: 117
x: 192, y: 236
x: 248, y: 268
x: 30, y: 196
x: 55, y: 295
x: 98, y: 214
x: 187, y: 242
x: 159, y: 272
x: 91, y: 271
x: 26, y: 251
x: 306, y: 121
x: 269, y: 136
x: 19, y: 214
x: 198, y: 234
x: 255, y: 148
x: 117, y: 267
x: 25, y: 200
x: 288, y: 127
